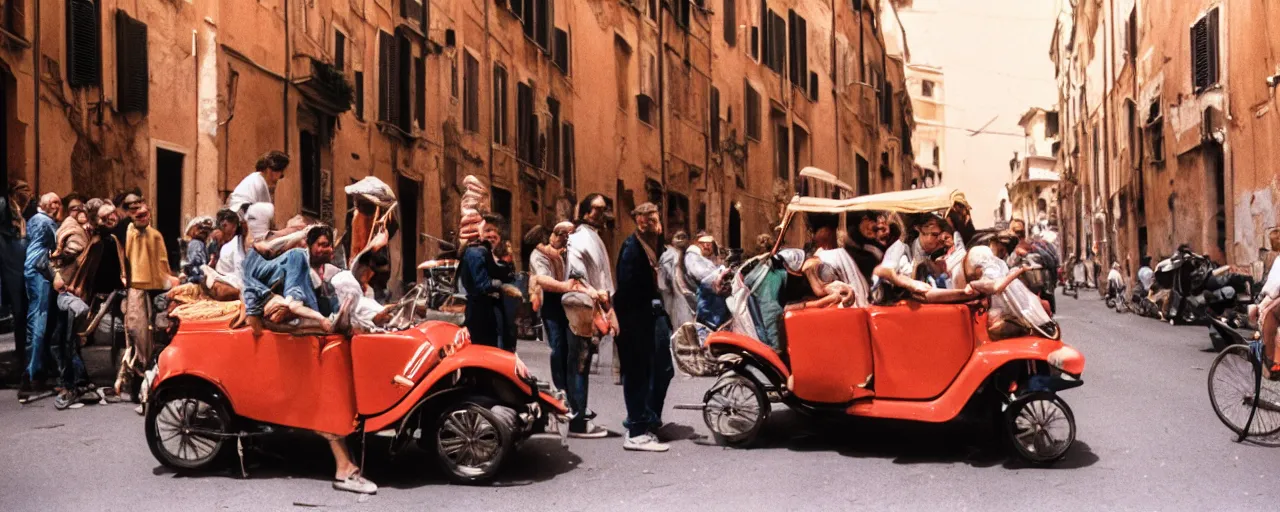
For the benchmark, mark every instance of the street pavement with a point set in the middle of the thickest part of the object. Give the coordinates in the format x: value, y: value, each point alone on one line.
x: 1147, y: 440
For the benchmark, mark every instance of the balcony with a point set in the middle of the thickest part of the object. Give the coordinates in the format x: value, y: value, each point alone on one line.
x: 325, y: 87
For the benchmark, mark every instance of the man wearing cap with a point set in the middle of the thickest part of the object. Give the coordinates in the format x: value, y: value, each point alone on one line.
x: 644, y: 346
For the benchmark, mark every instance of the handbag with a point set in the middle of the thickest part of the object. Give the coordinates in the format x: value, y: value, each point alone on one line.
x: 586, y: 318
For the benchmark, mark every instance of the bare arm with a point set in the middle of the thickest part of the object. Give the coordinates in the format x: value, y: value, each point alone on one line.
x: 280, y: 241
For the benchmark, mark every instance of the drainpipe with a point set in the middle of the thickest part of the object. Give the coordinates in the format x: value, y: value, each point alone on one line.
x: 488, y: 62
x: 35, y: 95
x: 287, y: 78
x: 835, y: 91
x: 712, y: 144
x: 1108, y: 69
x: 662, y: 98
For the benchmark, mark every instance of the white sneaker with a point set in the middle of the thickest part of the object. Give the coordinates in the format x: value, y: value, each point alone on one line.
x: 644, y: 443
x: 355, y: 483
x: 592, y: 431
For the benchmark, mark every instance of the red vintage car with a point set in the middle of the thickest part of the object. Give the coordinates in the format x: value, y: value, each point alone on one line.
x: 909, y: 361
x: 467, y: 405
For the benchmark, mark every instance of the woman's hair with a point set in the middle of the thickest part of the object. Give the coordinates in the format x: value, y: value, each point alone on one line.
x: 584, y: 207
x: 537, y: 236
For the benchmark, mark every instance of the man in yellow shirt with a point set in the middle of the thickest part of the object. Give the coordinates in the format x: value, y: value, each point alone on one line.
x: 149, y: 275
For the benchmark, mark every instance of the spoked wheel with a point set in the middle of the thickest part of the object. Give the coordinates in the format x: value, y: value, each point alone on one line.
x: 1041, y: 427
x: 471, y: 441
x: 734, y: 409
x: 1233, y: 379
x: 187, y: 428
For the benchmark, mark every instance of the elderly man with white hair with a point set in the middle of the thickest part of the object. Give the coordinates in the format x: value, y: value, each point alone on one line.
x: 38, y: 275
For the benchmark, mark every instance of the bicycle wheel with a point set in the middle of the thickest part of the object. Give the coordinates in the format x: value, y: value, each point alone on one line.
x: 1232, y: 379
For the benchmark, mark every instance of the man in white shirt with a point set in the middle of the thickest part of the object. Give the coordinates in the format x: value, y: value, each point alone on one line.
x: 587, y: 259
x: 258, y: 186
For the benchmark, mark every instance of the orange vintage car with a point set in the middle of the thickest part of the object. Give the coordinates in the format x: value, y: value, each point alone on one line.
x: 466, y: 405
x: 909, y: 361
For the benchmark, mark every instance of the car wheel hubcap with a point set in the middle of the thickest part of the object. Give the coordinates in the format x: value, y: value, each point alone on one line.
x: 1042, y: 429
x: 732, y: 408
x: 183, y: 428
x: 469, y: 441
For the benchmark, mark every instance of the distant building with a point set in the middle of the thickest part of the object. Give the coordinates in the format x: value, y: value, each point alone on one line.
x: 1033, y: 179
x: 929, y: 138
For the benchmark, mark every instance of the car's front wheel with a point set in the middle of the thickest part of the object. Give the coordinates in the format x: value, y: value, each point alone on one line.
x: 1041, y: 427
x: 188, y: 427
x: 471, y: 440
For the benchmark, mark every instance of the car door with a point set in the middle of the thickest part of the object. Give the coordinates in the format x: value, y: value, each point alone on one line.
x: 919, y: 349
x: 830, y: 354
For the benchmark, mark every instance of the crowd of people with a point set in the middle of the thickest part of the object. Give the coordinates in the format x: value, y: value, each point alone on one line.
x: 66, y: 262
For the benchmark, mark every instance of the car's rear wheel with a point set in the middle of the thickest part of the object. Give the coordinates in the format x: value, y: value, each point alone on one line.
x: 470, y: 440
x: 188, y: 427
x: 735, y: 408
x: 1041, y: 427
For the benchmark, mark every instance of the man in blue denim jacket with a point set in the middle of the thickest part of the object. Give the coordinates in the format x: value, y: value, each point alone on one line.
x: 38, y: 274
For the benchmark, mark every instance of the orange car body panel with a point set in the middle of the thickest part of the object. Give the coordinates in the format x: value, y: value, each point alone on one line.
x: 482, y: 357
x: 830, y: 353
x: 919, y: 349
x: 311, y: 383
x: 725, y: 341
x: 297, y: 381
x: 984, y: 360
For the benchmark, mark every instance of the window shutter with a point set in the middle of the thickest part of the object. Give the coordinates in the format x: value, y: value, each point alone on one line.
x: 359, y: 99
x: 715, y: 120
x: 568, y: 155
x: 561, y: 51
x: 83, y: 66
x: 401, y: 75
x: 386, y: 84
x: 132, y: 74
x: 813, y: 86
x: 339, y: 50
x: 793, y: 40
x: 731, y: 22
x: 1211, y: 48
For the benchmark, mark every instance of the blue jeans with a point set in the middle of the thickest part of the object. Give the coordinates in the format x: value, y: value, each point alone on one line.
x: 644, y: 350
x: 39, y: 290
x: 65, y: 344
x: 289, y: 270
x: 566, y: 349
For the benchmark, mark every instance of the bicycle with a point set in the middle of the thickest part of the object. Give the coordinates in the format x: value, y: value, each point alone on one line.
x: 1246, y: 402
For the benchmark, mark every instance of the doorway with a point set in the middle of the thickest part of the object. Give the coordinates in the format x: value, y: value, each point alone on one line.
x: 408, y: 191
x: 168, y: 201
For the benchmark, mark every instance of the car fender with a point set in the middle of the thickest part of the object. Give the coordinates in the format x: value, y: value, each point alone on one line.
x: 731, y: 342
x: 490, y: 359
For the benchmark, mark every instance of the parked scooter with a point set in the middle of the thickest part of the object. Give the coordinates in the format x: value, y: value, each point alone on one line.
x: 1184, y: 274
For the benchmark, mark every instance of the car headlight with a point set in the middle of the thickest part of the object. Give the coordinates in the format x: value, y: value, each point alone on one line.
x: 1067, y: 359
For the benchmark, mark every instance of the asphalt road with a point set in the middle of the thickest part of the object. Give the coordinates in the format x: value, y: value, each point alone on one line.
x: 1148, y: 440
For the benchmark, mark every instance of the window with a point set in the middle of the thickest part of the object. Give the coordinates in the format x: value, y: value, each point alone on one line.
x: 681, y: 12
x: 414, y: 10
x: 775, y: 41
x: 500, y: 105
x: 339, y: 50
x: 1204, y: 52
x: 1131, y: 114
x: 516, y: 7
x: 132, y: 75
x: 526, y: 124
x: 309, y: 172
x: 622, y: 71
x: 568, y: 155
x: 1155, y: 133
x: 553, y: 131
x: 404, y: 56
x: 359, y: 95
x: 936, y: 156
x: 543, y: 29
x: 471, y: 103
x: 644, y: 108
x: 392, y: 82
x: 753, y: 112
x: 781, y: 146
x: 864, y: 176
x: 653, y: 10
x: 730, y: 22
x: 886, y: 104
x: 926, y: 88
x: 15, y: 17
x: 420, y: 92
x: 560, y: 53
x: 715, y: 120
x: 799, y: 43
x: 1131, y: 36
x: 83, y: 56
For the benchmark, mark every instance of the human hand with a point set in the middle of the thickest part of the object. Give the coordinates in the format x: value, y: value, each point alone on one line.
x: 511, y: 291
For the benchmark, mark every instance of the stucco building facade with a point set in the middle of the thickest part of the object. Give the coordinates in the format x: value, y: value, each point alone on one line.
x: 1169, y: 128
x: 709, y: 108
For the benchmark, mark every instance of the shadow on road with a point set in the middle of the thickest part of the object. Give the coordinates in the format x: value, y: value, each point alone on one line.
x: 904, y: 442
x: 302, y: 455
